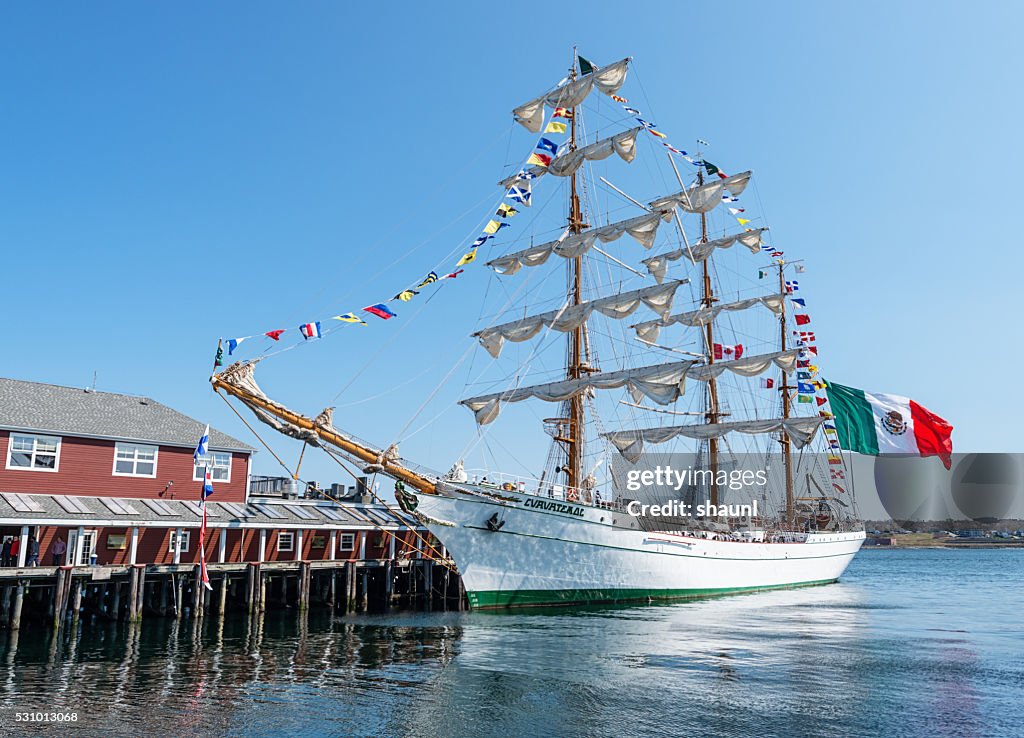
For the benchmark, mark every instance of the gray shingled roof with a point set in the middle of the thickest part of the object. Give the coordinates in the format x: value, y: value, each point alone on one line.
x: 73, y: 411
x: 23, y: 509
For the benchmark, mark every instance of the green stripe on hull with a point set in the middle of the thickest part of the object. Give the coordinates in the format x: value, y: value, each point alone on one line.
x: 497, y: 599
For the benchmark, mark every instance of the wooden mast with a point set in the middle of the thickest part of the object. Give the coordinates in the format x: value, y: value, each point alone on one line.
x: 575, y: 367
x: 707, y: 300
x: 784, y: 388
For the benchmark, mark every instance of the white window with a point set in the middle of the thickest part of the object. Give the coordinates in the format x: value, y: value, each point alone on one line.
x: 186, y: 539
x: 347, y: 542
x: 134, y: 460
x: 38, y: 453
x: 220, y: 466
x: 285, y: 542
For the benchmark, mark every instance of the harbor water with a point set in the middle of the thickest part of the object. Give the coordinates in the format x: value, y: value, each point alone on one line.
x: 909, y: 643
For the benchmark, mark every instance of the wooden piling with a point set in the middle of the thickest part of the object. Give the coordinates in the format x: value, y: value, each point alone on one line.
x: 76, y: 600
x: 389, y: 581
x: 19, y: 601
x: 115, y: 601
x: 60, y: 598
x: 428, y: 584
x: 140, y: 595
x: 179, y: 595
x: 133, y: 593
x: 223, y: 604
x: 197, y: 592
x: 305, y: 582
x: 5, y: 603
x: 250, y: 588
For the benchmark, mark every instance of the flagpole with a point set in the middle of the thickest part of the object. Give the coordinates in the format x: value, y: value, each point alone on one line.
x: 204, y: 575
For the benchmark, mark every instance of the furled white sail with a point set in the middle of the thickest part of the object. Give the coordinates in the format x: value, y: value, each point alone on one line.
x: 662, y: 383
x: 608, y: 79
x: 704, y: 198
x: 623, y: 144
x: 531, y: 174
x: 658, y: 265
x: 748, y: 366
x: 630, y: 443
x: 657, y: 297
x: 643, y: 228
x: 648, y: 330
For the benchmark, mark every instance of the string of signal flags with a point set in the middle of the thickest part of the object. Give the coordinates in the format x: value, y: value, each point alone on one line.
x: 518, y: 194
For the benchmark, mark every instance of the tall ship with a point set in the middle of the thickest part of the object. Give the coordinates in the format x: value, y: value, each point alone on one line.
x: 695, y: 358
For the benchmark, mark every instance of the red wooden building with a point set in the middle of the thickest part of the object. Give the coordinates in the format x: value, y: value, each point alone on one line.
x: 112, y: 477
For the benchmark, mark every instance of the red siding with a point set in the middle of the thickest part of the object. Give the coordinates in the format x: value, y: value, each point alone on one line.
x: 86, y: 468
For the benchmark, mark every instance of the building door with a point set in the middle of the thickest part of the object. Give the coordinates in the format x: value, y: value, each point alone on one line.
x: 81, y: 557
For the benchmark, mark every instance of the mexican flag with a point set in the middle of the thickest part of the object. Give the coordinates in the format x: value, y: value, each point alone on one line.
x: 876, y: 423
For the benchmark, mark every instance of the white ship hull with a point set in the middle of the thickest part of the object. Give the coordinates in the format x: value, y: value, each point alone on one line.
x: 549, y: 552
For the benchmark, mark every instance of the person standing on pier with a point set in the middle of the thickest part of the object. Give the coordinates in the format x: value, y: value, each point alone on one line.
x: 57, y: 551
x: 33, y: 552
x: 15, y: 548
x: 5, y: 552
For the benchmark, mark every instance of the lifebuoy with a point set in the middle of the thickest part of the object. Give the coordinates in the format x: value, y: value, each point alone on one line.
x: 573, y: 495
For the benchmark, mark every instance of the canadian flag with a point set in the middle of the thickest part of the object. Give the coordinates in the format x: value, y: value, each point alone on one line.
x: 731, y: 352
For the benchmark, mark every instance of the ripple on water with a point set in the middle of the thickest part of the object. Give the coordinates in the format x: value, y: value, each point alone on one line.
x: 909, y: 643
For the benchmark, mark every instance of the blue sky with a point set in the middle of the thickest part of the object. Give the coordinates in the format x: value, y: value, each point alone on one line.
x: 173, y: 174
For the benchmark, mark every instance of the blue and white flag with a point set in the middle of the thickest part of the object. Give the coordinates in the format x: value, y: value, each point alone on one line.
x: 546, y: 144
x: 203, y: 445
x: 234, y: 343
x: 519, y: 194
x: 207, y: 482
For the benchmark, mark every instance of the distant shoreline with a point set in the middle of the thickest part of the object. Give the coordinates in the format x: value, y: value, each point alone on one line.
x: 924, y: 540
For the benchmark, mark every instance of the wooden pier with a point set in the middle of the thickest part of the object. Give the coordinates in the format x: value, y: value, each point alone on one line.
x: 56, y: 595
